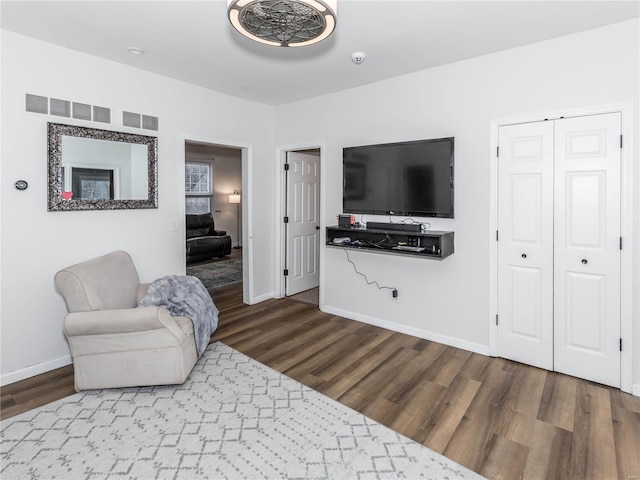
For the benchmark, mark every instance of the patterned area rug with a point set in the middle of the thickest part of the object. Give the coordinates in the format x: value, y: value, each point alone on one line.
x: 218, y: 274
x: 233, y: 418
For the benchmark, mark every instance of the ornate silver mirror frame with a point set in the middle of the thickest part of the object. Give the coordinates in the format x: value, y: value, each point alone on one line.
x: 60, y: 194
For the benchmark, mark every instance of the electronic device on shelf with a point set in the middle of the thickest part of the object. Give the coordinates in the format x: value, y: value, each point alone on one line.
x: 341, y: 240
x: 346, y: 220
x: 407, y: 178
x: 405, y: 227
x: 408, y: 248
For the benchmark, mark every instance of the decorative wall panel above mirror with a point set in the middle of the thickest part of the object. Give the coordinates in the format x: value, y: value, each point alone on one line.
x: 93, y: 169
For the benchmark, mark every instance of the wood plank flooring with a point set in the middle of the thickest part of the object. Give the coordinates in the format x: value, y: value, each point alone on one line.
x: 499, y: 418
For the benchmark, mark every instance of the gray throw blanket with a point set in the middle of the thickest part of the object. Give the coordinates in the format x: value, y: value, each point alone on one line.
x: 185, y: 296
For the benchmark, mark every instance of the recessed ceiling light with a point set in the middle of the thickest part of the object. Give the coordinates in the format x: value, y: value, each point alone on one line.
x: 135, y: 51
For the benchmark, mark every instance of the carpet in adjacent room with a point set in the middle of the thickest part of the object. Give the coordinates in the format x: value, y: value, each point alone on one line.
x: 218, y: 274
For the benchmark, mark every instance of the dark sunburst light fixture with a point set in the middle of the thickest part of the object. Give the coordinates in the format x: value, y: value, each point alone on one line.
x: 283, y: 23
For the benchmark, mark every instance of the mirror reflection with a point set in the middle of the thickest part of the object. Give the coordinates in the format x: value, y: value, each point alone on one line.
x: 103, y: 169
x: 93, y: 169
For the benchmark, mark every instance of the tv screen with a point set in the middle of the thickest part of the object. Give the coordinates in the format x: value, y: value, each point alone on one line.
x: 408, y: 178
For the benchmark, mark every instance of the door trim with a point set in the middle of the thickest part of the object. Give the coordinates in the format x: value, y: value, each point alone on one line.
x: 246, y: 149
x: 626, y: 226
x: 281, y: 206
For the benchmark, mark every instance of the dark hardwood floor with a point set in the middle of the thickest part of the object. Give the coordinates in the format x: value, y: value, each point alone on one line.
x: 499, y: 418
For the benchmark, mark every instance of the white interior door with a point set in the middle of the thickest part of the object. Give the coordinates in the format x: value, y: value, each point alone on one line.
x: 303, y: 227
x: 587, y: 247
x: 525, y: 247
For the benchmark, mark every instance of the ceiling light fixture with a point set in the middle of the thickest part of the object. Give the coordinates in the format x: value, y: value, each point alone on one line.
x: 284, y: 23
x: 135, y: 51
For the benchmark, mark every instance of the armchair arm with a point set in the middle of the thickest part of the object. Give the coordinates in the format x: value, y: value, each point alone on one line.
x: 218, y: 233
x: 128, y: 320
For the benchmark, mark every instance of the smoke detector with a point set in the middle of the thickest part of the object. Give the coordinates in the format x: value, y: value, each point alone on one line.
x: 357, y: 57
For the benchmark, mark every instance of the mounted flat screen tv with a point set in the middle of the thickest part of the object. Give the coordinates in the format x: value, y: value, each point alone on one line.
x: 408, y: 179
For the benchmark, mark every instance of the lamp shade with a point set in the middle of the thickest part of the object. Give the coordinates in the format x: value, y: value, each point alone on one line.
x: 234, y: 198
x: 284, y: 23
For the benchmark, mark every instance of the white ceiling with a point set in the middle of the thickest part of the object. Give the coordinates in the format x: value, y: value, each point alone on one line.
x: 194, y: 42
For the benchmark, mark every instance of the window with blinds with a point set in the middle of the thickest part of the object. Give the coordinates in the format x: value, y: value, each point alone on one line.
x: 198, y: 187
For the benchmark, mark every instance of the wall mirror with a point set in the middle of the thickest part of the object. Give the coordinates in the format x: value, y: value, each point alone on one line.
x: 93, y: 169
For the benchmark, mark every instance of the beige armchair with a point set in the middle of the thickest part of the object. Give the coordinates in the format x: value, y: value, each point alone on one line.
x: 113, y: 343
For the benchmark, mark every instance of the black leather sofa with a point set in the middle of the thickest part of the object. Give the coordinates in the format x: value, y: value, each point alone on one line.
x: 203, y: 240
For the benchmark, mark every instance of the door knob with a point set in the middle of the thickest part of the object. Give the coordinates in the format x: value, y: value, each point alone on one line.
x: 317, y: 227
x: 584, y: 261
x: 524, y: 255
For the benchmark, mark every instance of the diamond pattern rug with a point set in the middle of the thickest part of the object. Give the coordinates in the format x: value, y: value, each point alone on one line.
x: 233, y: 418
x: 218, y: 274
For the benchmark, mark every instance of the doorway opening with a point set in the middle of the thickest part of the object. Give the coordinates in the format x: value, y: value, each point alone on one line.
x: 213, y: 208
x: 300, y: 274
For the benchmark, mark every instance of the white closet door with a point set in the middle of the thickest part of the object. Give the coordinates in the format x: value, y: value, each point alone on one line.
x: 525, y: 247
x: 587, y: 248
x: 303, y: 210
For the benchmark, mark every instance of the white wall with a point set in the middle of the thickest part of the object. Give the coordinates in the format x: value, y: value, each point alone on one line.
x: 449, y: 300
x: 35, y: 244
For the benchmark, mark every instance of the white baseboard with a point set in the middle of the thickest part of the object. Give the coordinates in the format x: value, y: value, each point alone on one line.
x: 416, y: 332
x: 635, y: 389
x: 34, y: 370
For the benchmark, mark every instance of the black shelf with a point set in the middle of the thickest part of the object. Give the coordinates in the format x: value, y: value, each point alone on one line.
x: 436, y: 244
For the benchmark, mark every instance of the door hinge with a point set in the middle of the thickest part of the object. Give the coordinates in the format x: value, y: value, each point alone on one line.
x: 497, y: 319
x: 286, y: 219
x: 498, y: 152
x: 286, y: 167
x: 620, y: 243
x: 620, y: 141
x: 286, y: 272
x: 620, y: 344
x: 496, y: 235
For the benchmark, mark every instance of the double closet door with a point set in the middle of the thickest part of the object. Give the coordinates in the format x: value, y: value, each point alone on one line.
x: 559, y: 245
